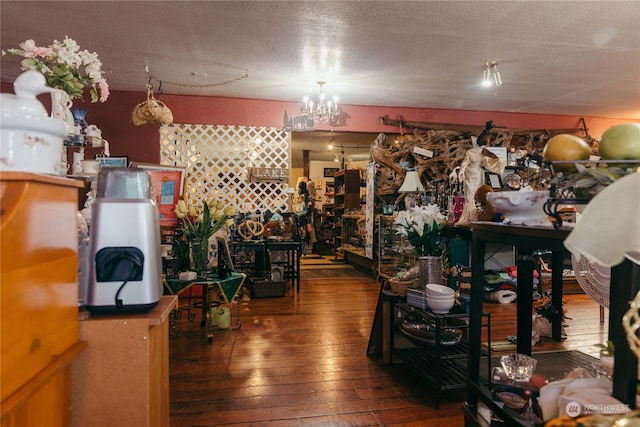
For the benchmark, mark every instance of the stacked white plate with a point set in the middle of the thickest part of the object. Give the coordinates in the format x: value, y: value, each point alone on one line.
x: 440, y: 299
x: 416, y: 298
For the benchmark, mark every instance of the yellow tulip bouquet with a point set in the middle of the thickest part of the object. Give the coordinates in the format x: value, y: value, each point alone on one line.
x: 196, y: 224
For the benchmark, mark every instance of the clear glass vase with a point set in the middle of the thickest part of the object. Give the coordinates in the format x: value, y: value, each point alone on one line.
x: 199, y: 257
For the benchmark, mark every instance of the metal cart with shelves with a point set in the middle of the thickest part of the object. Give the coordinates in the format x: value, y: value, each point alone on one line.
x: 439, y: 358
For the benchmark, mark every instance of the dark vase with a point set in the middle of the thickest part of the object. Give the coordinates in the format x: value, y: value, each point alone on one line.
x: 223, y: 270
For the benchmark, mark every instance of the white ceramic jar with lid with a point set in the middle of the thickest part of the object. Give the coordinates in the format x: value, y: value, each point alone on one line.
x: 30, y: 140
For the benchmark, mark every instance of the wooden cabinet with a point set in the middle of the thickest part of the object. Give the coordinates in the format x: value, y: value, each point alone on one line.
x: 38, y: 298
x: 122, y: 378
x: 328, y: 216
x: 347, y: 189
x: 347, y: 196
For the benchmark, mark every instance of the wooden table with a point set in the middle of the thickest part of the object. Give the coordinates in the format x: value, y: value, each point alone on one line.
x: 526, y: 240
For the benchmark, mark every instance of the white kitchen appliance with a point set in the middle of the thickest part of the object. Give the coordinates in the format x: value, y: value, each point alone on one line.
x: 125, y: 271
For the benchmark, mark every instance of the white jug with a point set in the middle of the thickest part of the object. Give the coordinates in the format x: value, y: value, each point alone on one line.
x: 224, y: 317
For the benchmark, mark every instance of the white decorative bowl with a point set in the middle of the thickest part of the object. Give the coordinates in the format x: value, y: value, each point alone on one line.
x: 440, y: 297
x: 520, y: 207
x: 440, y: 307
x: 438, y: 290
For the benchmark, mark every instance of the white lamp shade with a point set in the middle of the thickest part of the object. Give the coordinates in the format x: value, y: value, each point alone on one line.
x: 411, y: 183
x: 599, y: 236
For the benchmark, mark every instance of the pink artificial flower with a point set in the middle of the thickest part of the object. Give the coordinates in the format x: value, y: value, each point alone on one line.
x: 33, y: 51
x: 104, y: 90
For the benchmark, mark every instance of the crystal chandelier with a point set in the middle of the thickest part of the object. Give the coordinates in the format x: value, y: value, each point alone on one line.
x: 323, y: 110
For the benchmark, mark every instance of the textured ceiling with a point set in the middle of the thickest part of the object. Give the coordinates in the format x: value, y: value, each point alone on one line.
x: 556, y: 57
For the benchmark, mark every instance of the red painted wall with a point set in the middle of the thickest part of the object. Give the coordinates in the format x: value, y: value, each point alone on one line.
x: 140, y: 143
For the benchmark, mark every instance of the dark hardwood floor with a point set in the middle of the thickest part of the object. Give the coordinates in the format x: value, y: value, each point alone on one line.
x: 301, y: 360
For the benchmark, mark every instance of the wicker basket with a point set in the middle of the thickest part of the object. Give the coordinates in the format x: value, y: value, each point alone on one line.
x: 399, y: 287
x: 151, y: 110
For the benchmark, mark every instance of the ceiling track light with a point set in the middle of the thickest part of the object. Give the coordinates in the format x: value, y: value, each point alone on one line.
x: 491, y: 68
x: 497, y: 77
x: 486, y: 77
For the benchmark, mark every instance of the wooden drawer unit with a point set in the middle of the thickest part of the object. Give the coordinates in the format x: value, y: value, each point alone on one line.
x: 38, y: 296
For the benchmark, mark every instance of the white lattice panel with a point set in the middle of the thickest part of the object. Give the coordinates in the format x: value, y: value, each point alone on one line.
x: 218, y: 158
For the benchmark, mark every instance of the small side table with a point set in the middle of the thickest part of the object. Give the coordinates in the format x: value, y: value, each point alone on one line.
x: 227, y: 287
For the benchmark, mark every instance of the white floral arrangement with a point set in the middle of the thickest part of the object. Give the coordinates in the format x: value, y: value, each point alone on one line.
x: 423, y: 227
x: 65, y: 67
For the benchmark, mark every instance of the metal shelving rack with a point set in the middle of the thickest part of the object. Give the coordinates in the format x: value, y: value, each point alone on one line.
x: 443, y: 366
